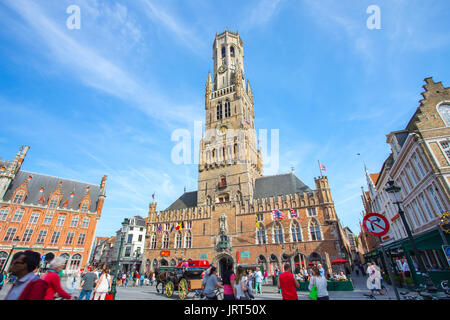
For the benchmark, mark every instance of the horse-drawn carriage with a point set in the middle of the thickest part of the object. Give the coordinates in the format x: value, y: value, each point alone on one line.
x: 183, y: 279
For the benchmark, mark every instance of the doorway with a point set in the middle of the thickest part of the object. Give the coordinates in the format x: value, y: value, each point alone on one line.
x: 222, y: 263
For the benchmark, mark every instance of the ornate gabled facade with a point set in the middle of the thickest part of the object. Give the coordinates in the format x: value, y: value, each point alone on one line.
x: 48, y: 214
x: 230, y: 216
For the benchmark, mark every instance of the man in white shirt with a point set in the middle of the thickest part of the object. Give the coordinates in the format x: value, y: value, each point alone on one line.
x: 406, y: 269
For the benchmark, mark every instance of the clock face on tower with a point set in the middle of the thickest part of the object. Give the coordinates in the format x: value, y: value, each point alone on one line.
x: 222, y: 130
x: 222, y: 69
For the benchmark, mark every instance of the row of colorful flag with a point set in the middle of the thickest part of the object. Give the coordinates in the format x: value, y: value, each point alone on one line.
x: 279, y: 215
x: 178, y: 226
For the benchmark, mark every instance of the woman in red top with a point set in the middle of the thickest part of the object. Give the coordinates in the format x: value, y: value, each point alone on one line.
x: 53, y: 280
x: 288, y: 284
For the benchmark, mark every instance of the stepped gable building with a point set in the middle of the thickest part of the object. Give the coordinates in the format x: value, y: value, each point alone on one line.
x: 47, y: 214
x: 229, y: 217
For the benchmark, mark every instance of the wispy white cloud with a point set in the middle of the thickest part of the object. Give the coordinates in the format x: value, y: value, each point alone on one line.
x: 263, y: 12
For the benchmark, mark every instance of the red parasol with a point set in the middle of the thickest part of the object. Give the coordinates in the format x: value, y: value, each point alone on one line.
x: 339, y: 261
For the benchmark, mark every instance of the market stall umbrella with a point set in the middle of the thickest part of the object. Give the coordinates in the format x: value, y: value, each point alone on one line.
x: 339, y: 261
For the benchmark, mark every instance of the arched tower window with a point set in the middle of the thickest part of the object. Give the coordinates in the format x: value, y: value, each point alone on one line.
x: 223, y: 52
x: 314, y: 230
x: 232, y: 51
x: 278, y: 233
x: 219, y: 111
x: 227, y: 109
x: 154, y: 239
x: 296, y: 232
x: 165, y: 240
x: 444, y: 112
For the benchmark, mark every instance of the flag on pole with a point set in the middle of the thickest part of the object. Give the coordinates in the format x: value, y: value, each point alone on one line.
x: 322, y: 167
x: 257, y: 222
x: 179, y: 226
x: 277, y: 214
x: 159, y: 229
x: 153, y: 196
x: 173, y: 226
x: 294, y: 213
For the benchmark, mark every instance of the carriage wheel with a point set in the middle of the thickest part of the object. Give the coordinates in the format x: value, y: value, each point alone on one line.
x: 169, y: 289
x: 183, y: 289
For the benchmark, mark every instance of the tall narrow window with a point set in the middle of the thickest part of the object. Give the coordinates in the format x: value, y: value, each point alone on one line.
x: 223, y: 52
x: 34, y: 218
x: 219, y: 111
x: 446, y: 148
x: 278, y: 233
x: 165, y: 241
x: 10, y: 233
x: 48, y: 219
x: 18, y: 215
x: 153, y: 242
x: 81, y: 239
x: 232, y: 51
x: 27, y: 235
x: 85, y: 224
x: 4, y: 214
x: 55, y: 237
x: 60, y: 221
x: 69, y: 238
x: 84, y: 207
x: 411, y: 174
x: 227, y: 109
x: 296, y: 231
x: 41, y: 236
x: 75, y: 262
x: 261, y: 234
x: 74, y: 222
x: 188, y: 240
x: 424, y: 203
x: 314, y: 230
x: 52, y: 204
x: 419, y: 165
x: 178, y: 240
x: 435, y: 199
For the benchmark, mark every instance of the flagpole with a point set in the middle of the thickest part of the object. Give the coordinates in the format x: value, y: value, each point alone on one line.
x: 318, y: 161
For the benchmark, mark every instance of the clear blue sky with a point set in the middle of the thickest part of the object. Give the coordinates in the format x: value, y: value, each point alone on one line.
x: 105, y: 99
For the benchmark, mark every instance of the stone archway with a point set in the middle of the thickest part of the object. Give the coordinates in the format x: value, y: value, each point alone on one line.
x: 274, y: 264
x: 220, y: 262
x: 262, y: 261
x: 163, y: 262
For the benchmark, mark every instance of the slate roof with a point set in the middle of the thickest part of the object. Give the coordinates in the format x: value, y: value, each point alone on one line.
x: 276, y: 185
x: 50, y: 184
x: 187, y: 200
x: 401, y: 137
x: 139, y: 221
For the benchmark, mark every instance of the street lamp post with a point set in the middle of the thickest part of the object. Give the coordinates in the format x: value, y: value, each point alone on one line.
x: 394, y: 193
x: 14, y: 244
x: 125, y: 223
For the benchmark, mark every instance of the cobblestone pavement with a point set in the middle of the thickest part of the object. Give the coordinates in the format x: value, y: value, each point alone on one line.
x: 269, y: 293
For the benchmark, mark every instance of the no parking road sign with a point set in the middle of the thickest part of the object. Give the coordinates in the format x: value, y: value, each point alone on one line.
x: 376, y: 224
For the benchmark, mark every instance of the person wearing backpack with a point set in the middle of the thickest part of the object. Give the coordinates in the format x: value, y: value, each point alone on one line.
x: 27, y: 286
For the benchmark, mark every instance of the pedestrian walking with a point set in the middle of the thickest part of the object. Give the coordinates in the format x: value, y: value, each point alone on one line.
x: 258, y: 281
x: 52, y: 277
x: 287, y: 284
x: 266, y: 276
x: 229, y: 292
x: 320, y: 282
x: 374, y: 279
x: 211, y: 284
x: 277, y: 274
x: 103, y: 285
x: 240, y: 285
x: 250, y: 278
x: 27, y: 285
x: 87, y: 284
x: 138, y: 276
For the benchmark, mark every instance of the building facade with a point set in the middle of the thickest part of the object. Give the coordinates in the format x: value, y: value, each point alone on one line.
x: 230, y: 217
x: 48, y: 214
x: 133, y: 245
x: 419, y: 164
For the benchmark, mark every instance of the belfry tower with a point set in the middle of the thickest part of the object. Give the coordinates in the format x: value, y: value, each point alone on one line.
x: 229, y: 159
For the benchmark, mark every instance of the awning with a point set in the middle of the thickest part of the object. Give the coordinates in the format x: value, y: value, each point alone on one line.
x: 339, y: 261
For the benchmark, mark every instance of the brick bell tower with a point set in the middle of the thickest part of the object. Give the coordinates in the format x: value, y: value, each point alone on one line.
x: 229, y: 159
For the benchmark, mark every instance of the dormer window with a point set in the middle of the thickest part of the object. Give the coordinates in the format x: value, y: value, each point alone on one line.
x: 18, y: 198
x: 53, y: 203
x: 84, y: 207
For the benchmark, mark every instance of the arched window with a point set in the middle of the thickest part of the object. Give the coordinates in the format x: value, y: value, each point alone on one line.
x: 208, y: 200
x: 223, y: 52
x: 75, y: 262
x: 173, y: 262
x: 296, y: 232
x: 219, y: 111
x: 154, y: 239
x: 3, y: 256
x: 188, y: 240
x: 227, y: 109
x: 314, y: 230
x: 178, y: 240
x: 278, y: 233
x: 65, y: 256
x: 232, y: 51
x: 165, y: 240
x: 261, y: 234
x: 444, y: 112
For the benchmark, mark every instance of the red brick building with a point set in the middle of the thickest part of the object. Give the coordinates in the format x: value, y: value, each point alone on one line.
x: 47, y: 214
